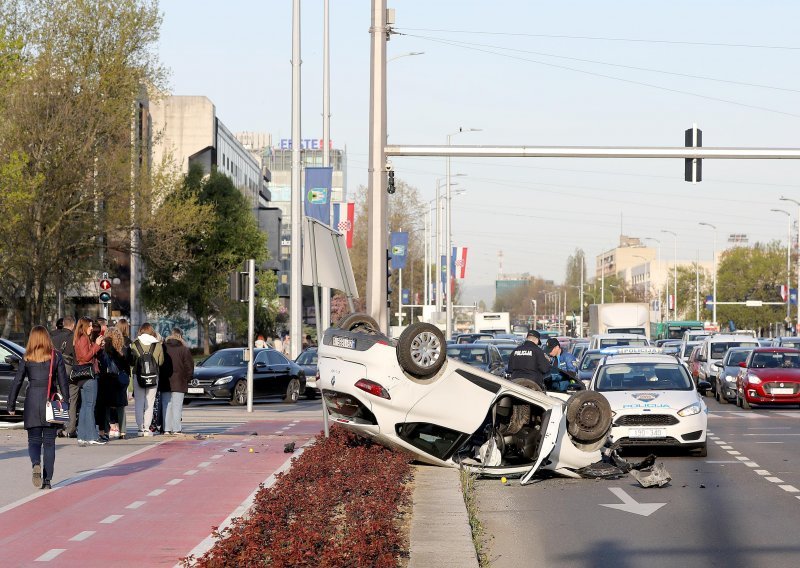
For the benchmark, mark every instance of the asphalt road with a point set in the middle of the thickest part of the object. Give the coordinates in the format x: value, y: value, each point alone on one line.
x: 738, y: 507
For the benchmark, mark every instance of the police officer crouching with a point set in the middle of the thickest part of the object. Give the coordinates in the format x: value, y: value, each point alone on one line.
x: 528, y: 361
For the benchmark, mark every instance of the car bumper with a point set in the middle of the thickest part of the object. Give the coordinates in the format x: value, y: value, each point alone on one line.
x: 689, y: 432
x: 221, y: 392
x: 765, y: 393
x: 728, y: 391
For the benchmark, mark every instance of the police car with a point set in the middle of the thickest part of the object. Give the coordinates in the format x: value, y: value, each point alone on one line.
x: 653, y: 399
x: 408, y: 394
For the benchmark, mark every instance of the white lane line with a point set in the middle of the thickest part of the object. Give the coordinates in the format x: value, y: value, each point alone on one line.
x: 82, y: 536
x: 742, y: 458
x: 175, y: 481
x: 762, y: 472
x: 726, y: 447
x: 751, y: 464
x: 218, y: 456
x: 733, y: 453
x: 156, y: 492
x: 190, y: 472
x: 722, y: 461
x: 769, y: 442
x: 111, y: 519
x: 774, y: 479
x: 771, y: 428
x: 204, y: 464
x: 237, y: 444
x: 50, y: 554
x: 135, y: 505
x: 284, y: 429
x: 775, y: 434
x: 790, y: 488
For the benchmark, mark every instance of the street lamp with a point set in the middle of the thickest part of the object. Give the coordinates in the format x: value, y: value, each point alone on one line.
x: 409, y: 54
x: 448, y: 243
x: 660, y: 268
x: 798, y: 255
x: 438, y: 253
x: 675, y: 274
x: 620, y: 288
x: 788, y: 263
x: 714, y: 292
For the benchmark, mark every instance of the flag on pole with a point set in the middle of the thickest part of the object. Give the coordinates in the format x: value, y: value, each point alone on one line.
x: 344, y: 219
x: 784, y: 292
x: 459, y: 262
x: 398, y: 246
x: 318, y: 193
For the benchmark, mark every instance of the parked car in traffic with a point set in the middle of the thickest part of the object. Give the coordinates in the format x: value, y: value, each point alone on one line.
x: 713, y: 349
x: 579, y: 347
x: 484, y: 356
x: 693, y: 362
x: 588, y: 364
x: 471, y: 337
x: 604, y: 340
x: 223, y: 376
x: 10, y: 357
x: 769, y: 375
x: 791, y: 342
x: 725, y: 390
x: 307, y: 360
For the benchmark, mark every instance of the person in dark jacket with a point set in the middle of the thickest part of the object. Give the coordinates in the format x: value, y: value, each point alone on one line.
x: 528, y: 361
x: 115, y: 366
x: 43, y: 366
x: 62, y: 341
x: 174, y: 380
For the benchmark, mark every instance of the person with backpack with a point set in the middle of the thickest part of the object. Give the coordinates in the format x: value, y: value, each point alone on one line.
x: 148, y: 356
x: 62, y: 341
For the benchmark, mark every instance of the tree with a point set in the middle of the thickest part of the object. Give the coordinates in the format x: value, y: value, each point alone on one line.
x: 215, y: 245
x: 688, y: 292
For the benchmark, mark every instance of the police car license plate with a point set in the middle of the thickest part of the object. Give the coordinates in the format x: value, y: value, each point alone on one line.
x: 346, y: 342
x: 195, y: 390
x: 647, y: 433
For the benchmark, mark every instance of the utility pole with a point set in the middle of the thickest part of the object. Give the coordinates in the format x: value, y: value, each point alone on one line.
x: 296, y: 300
x: 251, y: 321
x: 377, y: 305
x: 325, y: 301
x: 796, y: 202
x: 788, y: 265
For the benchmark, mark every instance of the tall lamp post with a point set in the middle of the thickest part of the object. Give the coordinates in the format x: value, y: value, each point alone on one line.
x: 675, y: 274
x: 796, y: 202
x: 448, y: 243
x: 647, y: 271
x: 788, y: 264
x: 660, y: 267
x: 714, y: 292
x: 439, y: 240
x: 409, y: 54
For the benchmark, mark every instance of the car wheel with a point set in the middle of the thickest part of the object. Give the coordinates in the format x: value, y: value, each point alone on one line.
x: 421, y: 349
x: 528, y: 384
x: 745, y: 402
x: 292, y: 392
x: 359, y: 322
x: 700, y: 452
x: 588, y: 416
x: 239, y: 396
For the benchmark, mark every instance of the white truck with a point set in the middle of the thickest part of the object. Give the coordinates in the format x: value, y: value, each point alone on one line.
x: 619, y: 318
x: 492, y: 322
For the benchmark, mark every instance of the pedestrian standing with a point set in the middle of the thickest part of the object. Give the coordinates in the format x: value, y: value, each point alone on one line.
x: 41, y: 364
x: 86, y: 352
x: 179, y: 370
x: 63, y: 342
x: 260, y: 343
x: 115, y: 371
x: 528, y: 361
x: 104, y: 387
x: 148, y: 355
x: 278, y: 344
x: 287, y: 345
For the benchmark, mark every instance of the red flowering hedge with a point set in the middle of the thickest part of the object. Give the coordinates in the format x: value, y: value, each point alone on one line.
x: 338, y: 506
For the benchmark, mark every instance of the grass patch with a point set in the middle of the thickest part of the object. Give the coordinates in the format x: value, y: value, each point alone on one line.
x: 471, y: 501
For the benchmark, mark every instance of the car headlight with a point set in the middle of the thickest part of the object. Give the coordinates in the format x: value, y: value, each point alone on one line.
x: 690, y: 410
x: 223, y: 380
x: 731, y: 378
x: 753, y: 380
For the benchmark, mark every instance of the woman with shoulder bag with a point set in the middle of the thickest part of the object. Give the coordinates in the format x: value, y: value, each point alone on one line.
x: 41, y: 364
x: 84, y: 373
x: 115, y: 369
x: 148, y: 355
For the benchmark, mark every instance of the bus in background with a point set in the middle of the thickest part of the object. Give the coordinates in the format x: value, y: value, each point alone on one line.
x: 672, y: 329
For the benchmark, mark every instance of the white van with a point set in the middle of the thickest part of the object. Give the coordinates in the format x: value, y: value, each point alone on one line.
x: 603, y: 340
x: 714, y: 348
x: 692, y: 336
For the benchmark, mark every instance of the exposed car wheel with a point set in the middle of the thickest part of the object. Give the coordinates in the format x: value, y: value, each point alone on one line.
x: 588, y: 416
x: 700, y: 452
x: 292, y: 392
x: 529, y: 384
x: 421, y: 350
x: 359, y: 322
x: 745, y: 402
x: 239, y: 397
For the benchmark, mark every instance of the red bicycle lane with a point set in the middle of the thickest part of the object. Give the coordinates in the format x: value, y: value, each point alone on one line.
x: 154, y: 507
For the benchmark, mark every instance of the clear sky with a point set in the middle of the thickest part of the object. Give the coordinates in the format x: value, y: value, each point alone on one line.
x: 627, y: 73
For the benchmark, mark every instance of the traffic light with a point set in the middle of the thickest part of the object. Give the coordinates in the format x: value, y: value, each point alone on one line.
x: 105, y: 289
x: 390, y: 185
x: 389, y: 279
x: 693, y: 167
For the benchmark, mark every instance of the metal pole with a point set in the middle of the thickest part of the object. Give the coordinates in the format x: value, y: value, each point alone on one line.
x: 400, y: 296
x: 437, y: 278
x: 714, y: 292
x: 447, y: 253
x: 796, y: 202
x: 251, y: 325
x: 603, y: 278
x: 697, y: 288
x: 315, y: 289
x: 789, y: 272
x: 583, y: 269
x: 426, y: 275
x: 377, y: 302
x: 296, y: 300
x: 324, y: 311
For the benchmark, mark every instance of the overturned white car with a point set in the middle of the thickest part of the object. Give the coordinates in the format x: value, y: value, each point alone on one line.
x: 407, y: 394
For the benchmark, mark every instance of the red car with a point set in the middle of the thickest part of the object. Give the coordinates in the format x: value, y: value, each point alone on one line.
x: 769, y: 375
x: 694, y: 364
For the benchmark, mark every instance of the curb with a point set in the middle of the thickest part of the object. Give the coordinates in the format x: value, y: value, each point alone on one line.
x: 440, y: 533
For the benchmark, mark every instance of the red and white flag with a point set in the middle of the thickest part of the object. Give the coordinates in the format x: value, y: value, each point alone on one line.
x: 344, y: 215
x: 461, y: 262
x: 784, y: 292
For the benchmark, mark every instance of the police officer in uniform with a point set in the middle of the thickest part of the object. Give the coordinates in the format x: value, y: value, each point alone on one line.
x: 528, y: 361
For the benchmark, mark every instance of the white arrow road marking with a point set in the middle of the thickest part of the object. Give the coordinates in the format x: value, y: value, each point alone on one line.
x: 630, y: 505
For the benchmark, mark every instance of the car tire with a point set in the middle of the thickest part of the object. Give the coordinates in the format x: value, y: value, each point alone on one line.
x: 745, y: 402
x: 588, y: 416
x: 700, y: 452
x: 421, y: 350
x: 528, y: 384
x: 239, y: 396
x: 358, y: 320
x: 292, y: 392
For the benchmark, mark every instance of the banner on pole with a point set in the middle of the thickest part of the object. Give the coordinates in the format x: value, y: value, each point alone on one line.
x: 459, y: 262
x: 793, y: 296
x: 406, y: 296
x: 398, y: 246
x: 783, y: 292
x: 344, y: 215
x: 318, y: 194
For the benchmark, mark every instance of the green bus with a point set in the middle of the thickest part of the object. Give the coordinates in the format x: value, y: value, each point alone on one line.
x: 672, y: 329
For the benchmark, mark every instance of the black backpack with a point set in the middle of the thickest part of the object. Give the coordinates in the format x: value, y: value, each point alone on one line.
x: 146, y: 365
x: 63, y: 343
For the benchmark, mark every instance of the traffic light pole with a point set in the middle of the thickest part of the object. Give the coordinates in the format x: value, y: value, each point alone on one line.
x: 251, y: 320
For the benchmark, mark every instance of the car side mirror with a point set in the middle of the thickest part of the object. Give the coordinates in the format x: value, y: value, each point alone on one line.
x: 742, y: 364
x: 719, y: 364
